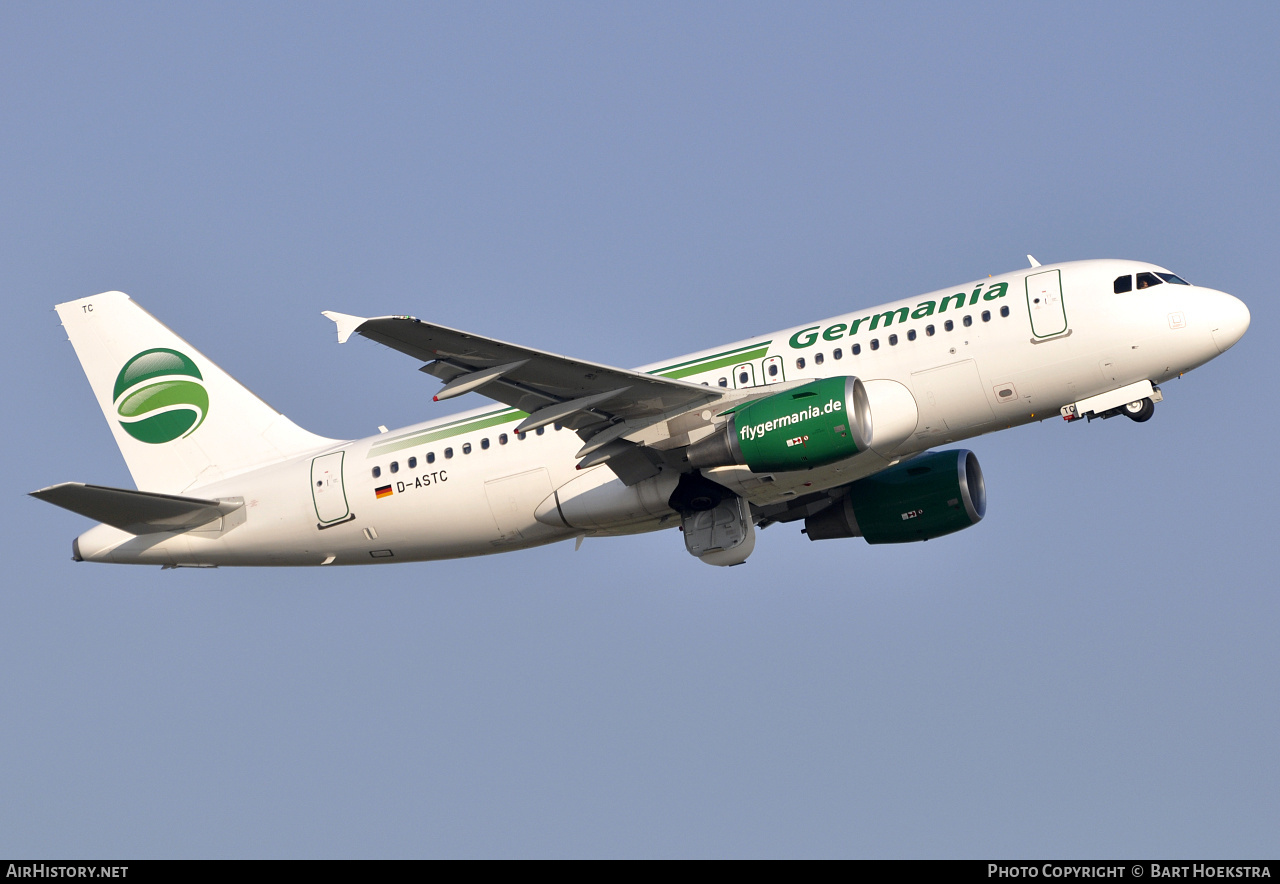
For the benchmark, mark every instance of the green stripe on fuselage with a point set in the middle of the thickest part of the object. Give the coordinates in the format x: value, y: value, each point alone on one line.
x: 457, y: 428
x: 717, y: 360
x: 508, y: 415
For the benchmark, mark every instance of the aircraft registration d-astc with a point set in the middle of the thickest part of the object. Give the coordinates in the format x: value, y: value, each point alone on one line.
x: 834, y: 424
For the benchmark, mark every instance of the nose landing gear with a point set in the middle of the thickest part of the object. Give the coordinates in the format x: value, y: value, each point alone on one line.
x: 1139, y: 411
x: 1135, y: 401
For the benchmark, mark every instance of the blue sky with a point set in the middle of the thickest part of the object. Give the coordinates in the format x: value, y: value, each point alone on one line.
x: 1091, y: 671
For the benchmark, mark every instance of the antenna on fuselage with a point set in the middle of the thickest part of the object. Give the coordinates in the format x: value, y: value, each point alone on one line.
x: 1034, y: 262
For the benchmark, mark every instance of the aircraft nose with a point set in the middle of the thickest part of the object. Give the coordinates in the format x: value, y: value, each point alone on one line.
x: 1230, y: 321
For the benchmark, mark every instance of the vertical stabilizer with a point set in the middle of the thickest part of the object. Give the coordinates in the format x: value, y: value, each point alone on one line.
x: 179, y: 419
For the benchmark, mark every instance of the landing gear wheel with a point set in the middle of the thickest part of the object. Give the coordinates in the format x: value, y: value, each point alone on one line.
x: 1139, y: 410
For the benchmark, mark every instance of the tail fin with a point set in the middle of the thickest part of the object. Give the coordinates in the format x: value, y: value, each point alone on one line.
x: 179, y: 420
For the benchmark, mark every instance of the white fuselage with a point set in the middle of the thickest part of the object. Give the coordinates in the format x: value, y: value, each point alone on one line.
x: 468, y: 485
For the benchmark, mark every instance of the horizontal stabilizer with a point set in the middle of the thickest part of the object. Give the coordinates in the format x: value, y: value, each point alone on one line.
x: 138, y: 512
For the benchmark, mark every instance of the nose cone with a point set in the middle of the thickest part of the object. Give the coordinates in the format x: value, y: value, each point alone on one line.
x: 1230, y: 321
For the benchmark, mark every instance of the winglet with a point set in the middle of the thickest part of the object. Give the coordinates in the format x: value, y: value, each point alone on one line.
x: 345, y: 322
x: 1034, y: 262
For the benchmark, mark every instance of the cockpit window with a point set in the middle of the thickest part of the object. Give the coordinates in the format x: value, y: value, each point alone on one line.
x: 1124, y: 284
x: 1176, y: 280
x: 1147, y: 280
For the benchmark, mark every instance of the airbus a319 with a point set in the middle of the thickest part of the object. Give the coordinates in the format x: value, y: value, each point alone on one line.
x: 834, y: 424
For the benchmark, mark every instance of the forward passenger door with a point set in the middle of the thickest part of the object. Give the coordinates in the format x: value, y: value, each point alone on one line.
x: 1045, y: 304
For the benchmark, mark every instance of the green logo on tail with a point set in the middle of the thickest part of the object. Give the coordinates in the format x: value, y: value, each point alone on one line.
x: 160, y: 396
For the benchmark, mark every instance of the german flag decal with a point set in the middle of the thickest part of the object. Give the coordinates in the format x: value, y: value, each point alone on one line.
x: 384, y: 491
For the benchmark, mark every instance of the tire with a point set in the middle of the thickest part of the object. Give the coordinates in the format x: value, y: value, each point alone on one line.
x: 1139, y: 410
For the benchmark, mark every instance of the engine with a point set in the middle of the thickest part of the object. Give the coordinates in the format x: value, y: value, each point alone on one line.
x: 929, y: 496
x: 812, y: 425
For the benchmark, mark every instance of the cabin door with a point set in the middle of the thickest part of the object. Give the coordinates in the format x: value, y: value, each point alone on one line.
x: 327, y: 492
x: 1045, y: 305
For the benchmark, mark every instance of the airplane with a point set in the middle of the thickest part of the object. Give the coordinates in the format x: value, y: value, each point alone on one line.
x: 834, y: 423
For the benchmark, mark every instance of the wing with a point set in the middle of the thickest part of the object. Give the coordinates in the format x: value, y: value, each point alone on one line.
x: 601, y: 403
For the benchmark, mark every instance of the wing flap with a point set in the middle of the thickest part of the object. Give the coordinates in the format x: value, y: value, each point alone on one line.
x: 138, y: 512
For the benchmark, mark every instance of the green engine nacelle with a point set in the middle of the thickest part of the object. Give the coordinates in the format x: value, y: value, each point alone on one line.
x: 812, y: 425
x: 928, y: 496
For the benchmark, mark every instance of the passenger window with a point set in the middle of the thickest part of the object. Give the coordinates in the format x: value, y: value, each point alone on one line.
x: 911, y: 334
x: 1123, y: 284
x: 928, y: 330
x: 558, y: 427
x: 837, y: 353
x: 724, y: 382
x: 1004, y: 311
x: 484, y: 443
x: 986, y: 315
x: 377, y: 471
x: 1176, y: 280
x: 875, y: 343
x: 893, y: 340
x: 466, y: 447
x: 448, y: 453
x: 431, y: 457
x: 1147, y: 280
x: 799, y: 364
x: 521, y: 436
x: 773, y: 369
x: 502, y: 440
x: 413, y: 462
x: 395, y: 466
x: 541, y: 430
x: 948, y: 325
x: 855, y: 349
x: 817, y: 358
x: 968, y: 321
x: 744, y: 377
